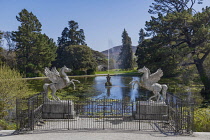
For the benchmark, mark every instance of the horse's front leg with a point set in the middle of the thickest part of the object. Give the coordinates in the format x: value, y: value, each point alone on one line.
x: 53, y: 88
x: 72, y: 81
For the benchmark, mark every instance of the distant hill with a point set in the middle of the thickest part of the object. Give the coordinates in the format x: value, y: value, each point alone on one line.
x: 114, y: 53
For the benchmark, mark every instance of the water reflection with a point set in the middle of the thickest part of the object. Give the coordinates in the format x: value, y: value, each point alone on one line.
x: 120, y: 89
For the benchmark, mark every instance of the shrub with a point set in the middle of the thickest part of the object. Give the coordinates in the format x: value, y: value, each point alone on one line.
x: 90, y: 72
x: 12, y: 86
x: 5, y: 125
x: 202, y: 120
x: 77, y: 72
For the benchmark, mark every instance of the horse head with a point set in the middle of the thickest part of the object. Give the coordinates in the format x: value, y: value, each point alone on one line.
x: 65, y: 69
x: 143, y: 70
x: 145, y: 75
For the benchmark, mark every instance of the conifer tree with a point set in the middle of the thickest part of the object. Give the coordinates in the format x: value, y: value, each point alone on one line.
x: 141, y: 36
x: 126, y: 54
x: 71, y: 35
x: 34, y: 50
x: 1, y: 36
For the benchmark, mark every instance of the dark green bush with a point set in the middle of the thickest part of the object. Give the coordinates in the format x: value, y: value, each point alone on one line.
x: 90, y: 72
x: 77, y: 72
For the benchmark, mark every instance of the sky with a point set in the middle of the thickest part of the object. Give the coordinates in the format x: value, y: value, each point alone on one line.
x: 103, y: 21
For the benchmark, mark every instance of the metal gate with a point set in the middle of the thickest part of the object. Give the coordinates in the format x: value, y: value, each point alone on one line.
x: 173, y: 116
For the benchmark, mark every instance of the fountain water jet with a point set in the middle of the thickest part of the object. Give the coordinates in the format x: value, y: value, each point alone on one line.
x: 108, y: 83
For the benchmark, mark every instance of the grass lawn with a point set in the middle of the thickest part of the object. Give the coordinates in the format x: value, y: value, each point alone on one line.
x: 118, y: 71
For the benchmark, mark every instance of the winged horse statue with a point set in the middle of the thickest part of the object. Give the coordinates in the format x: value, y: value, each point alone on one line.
x: 149, y: 82
x: 59, y: 80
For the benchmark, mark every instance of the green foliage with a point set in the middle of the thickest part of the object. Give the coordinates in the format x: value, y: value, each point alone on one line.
x: 142, y: 36
x: 79, y: 57
x: 170, y: 6
x: 5, y: 125
x: 34, y: 50
x: 99, y: 57
x: 72, y: 35
x: 78, y: 72
x: 12, y: 87
x: 126, y: 54
x: 202, y: 120
x: 150, y: 53
x: 178, y: 38
x: 1, y: 34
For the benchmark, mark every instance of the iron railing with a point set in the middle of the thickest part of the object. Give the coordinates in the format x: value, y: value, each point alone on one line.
x: 174, y: 116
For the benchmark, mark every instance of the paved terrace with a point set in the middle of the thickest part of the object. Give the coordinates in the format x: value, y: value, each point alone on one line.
x: 99, y: 135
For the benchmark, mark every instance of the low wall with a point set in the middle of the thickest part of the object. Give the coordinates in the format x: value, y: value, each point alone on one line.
x: 146, y: 110
x: 58, y: 110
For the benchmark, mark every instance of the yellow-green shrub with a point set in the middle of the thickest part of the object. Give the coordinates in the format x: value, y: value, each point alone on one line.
x: 5, y: 125
x: 11, y: 86
x: 202, y: 119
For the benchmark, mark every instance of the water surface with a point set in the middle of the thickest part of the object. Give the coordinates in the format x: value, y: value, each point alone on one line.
x: 94, y: 87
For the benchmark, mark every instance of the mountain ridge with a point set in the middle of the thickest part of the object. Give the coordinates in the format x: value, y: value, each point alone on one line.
x: 116, y: 50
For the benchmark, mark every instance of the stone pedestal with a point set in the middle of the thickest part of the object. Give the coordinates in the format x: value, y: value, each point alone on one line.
x: 149, y: 110
x: 58, y: 110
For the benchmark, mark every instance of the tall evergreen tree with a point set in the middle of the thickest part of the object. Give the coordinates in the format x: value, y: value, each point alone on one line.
x: 34, y: 50
x: 1, y: 36
x: 71, y: 35
x: 126, y: 54
x: 141, y: 36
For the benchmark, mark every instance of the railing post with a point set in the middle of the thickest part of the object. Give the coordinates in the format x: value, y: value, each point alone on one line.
x: 17, y: 115
x: 138, y: 104
x: 30, y: 114
x: 68, y: 115
x: 104, y: 108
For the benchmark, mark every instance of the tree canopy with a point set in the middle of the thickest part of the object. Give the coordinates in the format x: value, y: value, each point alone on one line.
x: 79, y: 57
x: 70, y: 36
x: 178, y: 37
x: 34, y: 50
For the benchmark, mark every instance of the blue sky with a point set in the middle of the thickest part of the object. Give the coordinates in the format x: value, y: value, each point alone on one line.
x: 103, y: 21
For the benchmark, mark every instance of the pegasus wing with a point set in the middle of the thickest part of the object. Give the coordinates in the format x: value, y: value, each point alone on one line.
x: 155, y: 77
x: 52, y: 75
x: 54, y: 70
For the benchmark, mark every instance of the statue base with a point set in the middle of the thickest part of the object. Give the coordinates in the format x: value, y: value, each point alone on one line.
x: 108, y: 84
x: 151, y: 110
x: 58, y: 110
